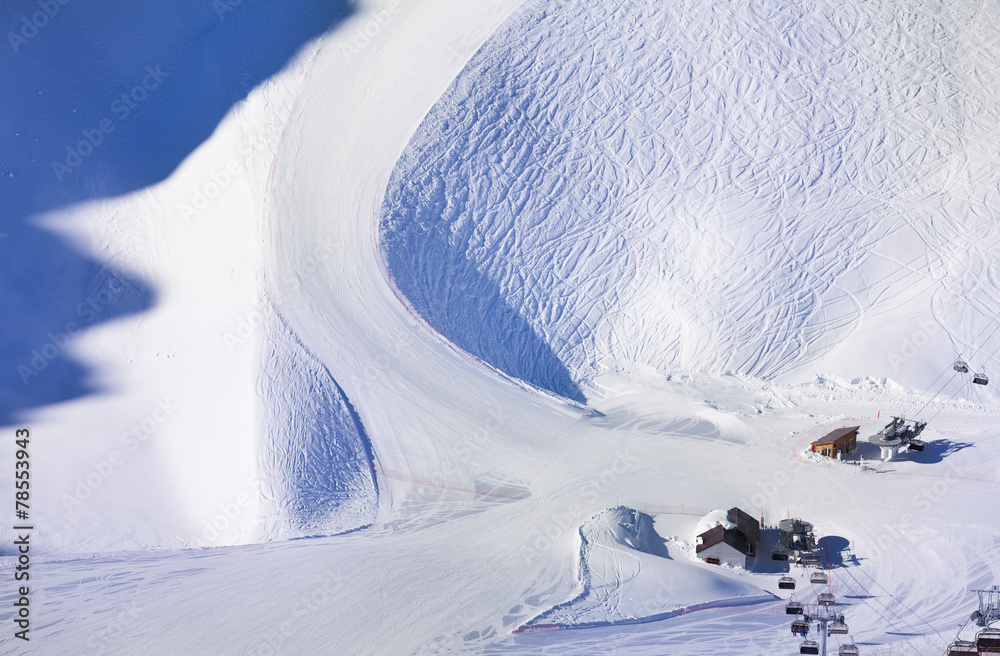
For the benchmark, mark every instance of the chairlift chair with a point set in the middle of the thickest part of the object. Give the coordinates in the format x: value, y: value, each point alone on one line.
x: 848, y: 650
x: 811, y: 559
x: 839, y: 628
x: 916, y: 445
x: 786, y: 583
x: 980, y: 379
x: 809, y: 647
x: 800, y: 628
x: 961, y: 367
x: 962, y: 648
x: 819, y: 577
x: 779, y: 555
x: 988, y: 642
x: 826, y: 599
x: 794, y: 608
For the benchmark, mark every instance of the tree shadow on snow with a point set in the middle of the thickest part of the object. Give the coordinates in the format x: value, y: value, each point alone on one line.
x: 101, y: 99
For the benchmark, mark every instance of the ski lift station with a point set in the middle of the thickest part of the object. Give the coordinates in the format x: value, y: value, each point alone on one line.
x: 794, y: 537
x: 897, y: 434
x: 842, y: 440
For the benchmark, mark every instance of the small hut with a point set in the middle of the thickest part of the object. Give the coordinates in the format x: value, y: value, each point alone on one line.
x: 842, y: 440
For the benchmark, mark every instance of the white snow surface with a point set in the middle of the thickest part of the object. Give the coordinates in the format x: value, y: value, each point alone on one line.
x: 716, y: 187
x: 629, y: 576
x: 510, y: 266
x: 713, y: 519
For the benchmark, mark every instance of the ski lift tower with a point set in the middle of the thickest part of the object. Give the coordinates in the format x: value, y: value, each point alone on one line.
x: 989, y: 607
x: 896, y: 434
x: 988, y: 637
x: 827, y: 619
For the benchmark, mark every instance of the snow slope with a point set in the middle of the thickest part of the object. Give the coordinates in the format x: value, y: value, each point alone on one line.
x: 720, y: 187
x: 483, y: 482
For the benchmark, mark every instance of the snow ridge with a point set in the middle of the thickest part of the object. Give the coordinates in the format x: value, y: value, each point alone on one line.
x: 316, y: 461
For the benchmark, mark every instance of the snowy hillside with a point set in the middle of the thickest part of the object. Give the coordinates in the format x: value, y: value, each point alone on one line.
x: 703, y: 186
x: 493, y: 306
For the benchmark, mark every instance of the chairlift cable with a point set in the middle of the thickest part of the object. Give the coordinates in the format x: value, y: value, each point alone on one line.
x: 977, y: 339
x: 992, y: 355
x: 913, y: 612
x: 929, y: 401
x: 960, y: 388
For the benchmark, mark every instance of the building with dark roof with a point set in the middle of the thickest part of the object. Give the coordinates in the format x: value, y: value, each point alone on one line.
x: 842, y: 440
x: 730, y: 545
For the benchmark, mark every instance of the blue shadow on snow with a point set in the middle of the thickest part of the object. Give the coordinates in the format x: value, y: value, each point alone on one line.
x: 101, y: 99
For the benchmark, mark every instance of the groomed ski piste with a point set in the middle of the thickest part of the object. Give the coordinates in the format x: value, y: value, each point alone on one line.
x: 507, y: 298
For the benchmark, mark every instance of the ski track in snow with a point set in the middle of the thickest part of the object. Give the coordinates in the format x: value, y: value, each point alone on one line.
x: 630, y: 187
x: 318, y: 470
x: 638, y: 188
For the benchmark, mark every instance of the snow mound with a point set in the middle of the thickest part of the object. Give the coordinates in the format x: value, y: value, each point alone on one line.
x: 629, y: 576
x: 316, y: 462
x: 713, y: 519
